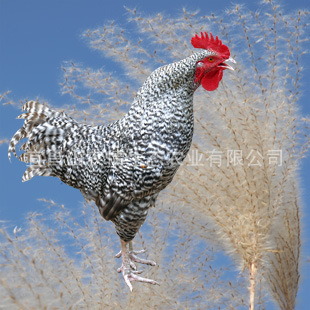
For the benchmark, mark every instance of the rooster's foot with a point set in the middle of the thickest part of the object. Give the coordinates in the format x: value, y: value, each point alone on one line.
x: 128, y: 268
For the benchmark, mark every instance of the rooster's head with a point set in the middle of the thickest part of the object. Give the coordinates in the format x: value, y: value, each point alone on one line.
x: 209, y: 71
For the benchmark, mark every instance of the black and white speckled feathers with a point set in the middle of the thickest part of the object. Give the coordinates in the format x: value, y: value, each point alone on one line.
x: 124, y: 165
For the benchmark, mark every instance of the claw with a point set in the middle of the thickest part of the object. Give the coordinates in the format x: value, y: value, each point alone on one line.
x: 137, y: 259
x: 133, y: 257
x: 127, y: 281
x: 138, y: 252
x: 119, y: 254
x: 129, y: 269
x: 132, y: 275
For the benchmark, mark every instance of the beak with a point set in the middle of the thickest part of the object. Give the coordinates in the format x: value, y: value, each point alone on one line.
x: 224, y: 64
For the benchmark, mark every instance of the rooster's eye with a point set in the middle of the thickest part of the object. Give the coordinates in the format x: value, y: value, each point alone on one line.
x: 211, y: 59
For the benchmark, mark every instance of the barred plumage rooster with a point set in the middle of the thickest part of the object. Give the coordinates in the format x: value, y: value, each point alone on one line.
x: 123, y: 166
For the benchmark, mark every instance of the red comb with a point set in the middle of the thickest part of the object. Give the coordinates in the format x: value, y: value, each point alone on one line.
x: 207, y: 43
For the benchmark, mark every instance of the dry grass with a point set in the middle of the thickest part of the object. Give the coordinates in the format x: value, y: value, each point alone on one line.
x: 238, y: 188
x: 63, y: 261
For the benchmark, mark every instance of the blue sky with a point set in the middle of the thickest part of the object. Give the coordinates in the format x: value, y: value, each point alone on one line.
x: 36, y: 37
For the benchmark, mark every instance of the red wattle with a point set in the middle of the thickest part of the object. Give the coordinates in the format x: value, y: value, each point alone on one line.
x: 211, y: 80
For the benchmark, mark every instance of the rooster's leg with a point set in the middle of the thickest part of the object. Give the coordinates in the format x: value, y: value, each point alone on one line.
x: 128, y: 267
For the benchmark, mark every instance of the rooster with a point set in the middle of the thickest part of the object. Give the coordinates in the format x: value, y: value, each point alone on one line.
x: 123, y: 166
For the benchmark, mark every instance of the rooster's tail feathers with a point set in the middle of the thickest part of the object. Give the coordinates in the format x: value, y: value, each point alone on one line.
x: 44, y: 129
